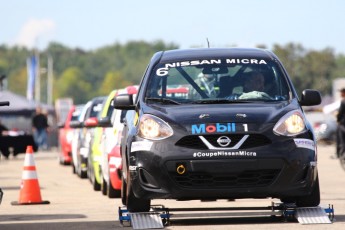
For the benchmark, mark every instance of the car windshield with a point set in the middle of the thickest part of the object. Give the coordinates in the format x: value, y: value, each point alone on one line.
x: 217, y: 81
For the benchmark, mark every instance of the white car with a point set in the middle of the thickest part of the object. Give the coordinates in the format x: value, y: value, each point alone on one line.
x: 81, y: 135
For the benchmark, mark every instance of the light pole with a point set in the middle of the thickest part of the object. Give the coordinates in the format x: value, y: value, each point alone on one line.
x: 50, y: 81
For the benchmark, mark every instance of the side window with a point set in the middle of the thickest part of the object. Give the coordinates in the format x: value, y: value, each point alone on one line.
x: 177, y: 87
x: 84, y: 112
x: 96, y: 108
x: 140, y: 89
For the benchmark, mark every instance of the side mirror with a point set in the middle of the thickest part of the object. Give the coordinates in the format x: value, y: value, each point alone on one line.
x: 104, y: 122
x: 4, y: 103
x: 310, y: 97
x: 91, y: 122
x: 75, y: 124
x: 124, y: 102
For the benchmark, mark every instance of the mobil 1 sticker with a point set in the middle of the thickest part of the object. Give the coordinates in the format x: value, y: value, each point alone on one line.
x: 230, y: 127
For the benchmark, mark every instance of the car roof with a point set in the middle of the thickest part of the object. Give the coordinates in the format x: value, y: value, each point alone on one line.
x: 207, y: 53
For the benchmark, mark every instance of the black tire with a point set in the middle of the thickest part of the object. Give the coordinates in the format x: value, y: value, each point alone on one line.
x: 82, y: 174
x: 73, y: 168
x: 95, y: 185
x: 104, y: 187
x: 313, y: 199
x: 342, y: 161
x: 123, y: 191
x: 135, y: 204
x: 113, y: 193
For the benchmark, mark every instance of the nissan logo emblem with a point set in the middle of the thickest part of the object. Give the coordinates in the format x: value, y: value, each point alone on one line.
x: 223, y: 141
x: 204, y: 115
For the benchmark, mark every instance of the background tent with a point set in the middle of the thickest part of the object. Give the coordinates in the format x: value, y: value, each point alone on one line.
x: 20, y: 105
x: 17, y: 116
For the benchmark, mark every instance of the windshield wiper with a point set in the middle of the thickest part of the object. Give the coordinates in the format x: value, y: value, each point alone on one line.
x: 163, y: 100
x: 219, y: 101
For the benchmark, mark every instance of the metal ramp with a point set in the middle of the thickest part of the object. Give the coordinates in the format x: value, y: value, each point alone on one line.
x: 313, y: 215
x: 159, y: 216
x: 146, y: 220
x: 143, y: 220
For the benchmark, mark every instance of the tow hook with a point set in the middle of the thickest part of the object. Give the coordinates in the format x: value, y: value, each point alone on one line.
x: 181, y: 169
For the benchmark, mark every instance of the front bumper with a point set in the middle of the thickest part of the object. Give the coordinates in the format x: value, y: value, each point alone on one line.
x: 115, y: 168
x: 280, y: 169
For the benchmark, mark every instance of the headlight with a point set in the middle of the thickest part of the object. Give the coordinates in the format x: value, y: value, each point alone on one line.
x: 291, y: 124
x: 153, y: 128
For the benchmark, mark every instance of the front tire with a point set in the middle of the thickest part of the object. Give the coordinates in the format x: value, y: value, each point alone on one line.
x: 104, y: 188
x: 95, y: 185
x: 113, y: 193
x: 135, y: 204
x: 73, y: 168
x: 342, y: 160
x: 313, y: 199
x: 82, y: 174
x: 123, y: 191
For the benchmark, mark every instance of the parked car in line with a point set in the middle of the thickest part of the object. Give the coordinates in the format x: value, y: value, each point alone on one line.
x: 111, y: 166
x: 95, y: 151
x: 231, y: 141
x: 66, y: 135
x: 82, y: 135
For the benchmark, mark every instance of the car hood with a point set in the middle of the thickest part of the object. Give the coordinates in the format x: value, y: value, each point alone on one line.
x: 258, y: 113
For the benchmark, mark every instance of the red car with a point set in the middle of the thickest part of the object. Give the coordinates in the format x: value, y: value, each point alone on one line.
x: 110, y: 145
x: 66, y: 135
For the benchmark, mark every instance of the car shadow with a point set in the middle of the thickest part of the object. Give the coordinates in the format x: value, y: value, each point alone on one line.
x: 89, y: 225
x: 231, y: 221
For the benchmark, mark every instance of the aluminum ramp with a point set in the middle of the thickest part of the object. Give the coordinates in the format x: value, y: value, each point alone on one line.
x: 313, y: 215
x: 143, y: 220
x: 146, y: 220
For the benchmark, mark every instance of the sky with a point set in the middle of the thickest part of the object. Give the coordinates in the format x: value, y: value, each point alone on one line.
x: 86, y: 24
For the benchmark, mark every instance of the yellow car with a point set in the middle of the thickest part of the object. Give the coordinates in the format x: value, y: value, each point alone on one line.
x: 95, y: 153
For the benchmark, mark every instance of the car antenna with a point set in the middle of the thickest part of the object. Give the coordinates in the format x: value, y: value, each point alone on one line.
x: 208, y: 43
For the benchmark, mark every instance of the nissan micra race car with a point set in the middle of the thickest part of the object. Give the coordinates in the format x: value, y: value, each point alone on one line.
x: 236, y: 130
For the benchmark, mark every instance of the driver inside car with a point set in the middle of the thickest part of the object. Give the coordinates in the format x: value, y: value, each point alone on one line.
x: 255, y: 81
x: 254, y: 87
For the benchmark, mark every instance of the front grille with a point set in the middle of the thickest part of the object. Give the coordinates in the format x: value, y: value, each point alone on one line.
x: 250, y: 178
x: 194, y: 142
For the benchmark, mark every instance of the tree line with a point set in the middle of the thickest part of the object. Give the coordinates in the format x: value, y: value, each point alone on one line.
x: 82, y: 74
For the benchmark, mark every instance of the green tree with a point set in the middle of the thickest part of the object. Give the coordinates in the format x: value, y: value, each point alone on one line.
x: 17, y: 82
x: 291, y: 55
x: 70, y: 84
x: 339, y: 69
x: 113, y: 80
x: 308, y: 68
x: 317, y: 70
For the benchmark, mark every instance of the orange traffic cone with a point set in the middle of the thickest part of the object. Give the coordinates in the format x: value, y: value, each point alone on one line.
x: 29, y: 189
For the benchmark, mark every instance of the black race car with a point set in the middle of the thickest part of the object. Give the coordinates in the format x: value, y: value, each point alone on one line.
x: 217, y: 124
